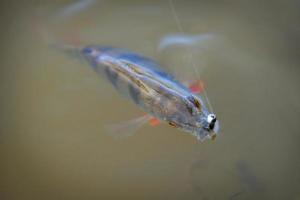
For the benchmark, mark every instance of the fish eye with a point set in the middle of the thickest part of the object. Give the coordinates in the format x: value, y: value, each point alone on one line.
x: 211, y: 119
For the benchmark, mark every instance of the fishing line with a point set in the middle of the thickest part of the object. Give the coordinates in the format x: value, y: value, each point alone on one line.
x: 191, y: 58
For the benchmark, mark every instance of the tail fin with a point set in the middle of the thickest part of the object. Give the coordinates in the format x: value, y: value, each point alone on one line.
x: 69, y: 50
x: 46, y: 29
x: 69, y: 44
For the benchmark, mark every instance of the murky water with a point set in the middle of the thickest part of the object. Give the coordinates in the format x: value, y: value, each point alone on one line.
x: 52, y: 141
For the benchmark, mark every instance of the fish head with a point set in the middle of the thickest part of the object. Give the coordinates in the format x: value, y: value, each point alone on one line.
x: 207, y: 126
x: 200, y: 123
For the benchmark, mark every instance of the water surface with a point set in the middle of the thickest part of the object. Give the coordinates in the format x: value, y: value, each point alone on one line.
x: 52, y: 141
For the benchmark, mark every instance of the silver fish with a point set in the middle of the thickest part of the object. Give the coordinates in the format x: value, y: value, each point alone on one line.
x: 152, y: 89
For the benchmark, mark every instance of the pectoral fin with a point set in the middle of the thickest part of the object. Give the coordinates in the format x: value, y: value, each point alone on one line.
x: 196, y: 86
x: 154, y: 121
x: 129, y: 128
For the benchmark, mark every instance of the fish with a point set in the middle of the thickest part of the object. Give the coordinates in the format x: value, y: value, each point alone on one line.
x: 151, y: 88
x: 141, y: 80
x: 248, y: 178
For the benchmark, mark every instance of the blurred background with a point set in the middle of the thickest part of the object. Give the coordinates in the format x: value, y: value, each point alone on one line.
x: 54, y: 108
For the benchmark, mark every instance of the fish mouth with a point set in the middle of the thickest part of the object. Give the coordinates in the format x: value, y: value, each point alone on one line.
x: 207, y: 133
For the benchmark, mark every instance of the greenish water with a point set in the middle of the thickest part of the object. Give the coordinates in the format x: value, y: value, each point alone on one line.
x: 52, y: 141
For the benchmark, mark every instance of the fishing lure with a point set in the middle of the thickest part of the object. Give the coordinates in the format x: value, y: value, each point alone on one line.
x: 153, y: 90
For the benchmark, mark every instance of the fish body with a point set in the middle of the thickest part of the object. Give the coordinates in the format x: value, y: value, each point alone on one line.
x: 152, y: 89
